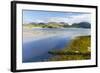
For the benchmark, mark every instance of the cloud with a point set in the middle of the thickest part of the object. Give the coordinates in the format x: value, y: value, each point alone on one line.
x: 38, y: 21
x: 80, y: 18
x: 57, y: 19
x: 71, y: 19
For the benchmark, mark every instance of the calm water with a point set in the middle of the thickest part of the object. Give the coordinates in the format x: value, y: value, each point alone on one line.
x: 38, y: 41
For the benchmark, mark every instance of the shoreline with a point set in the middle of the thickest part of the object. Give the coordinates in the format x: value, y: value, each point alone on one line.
x: 73, y: 51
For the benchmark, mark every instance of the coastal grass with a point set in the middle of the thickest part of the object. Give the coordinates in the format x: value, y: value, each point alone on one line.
x: 78, y: 49
x: 44, y: 26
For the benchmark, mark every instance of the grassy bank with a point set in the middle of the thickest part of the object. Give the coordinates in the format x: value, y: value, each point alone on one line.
x: 78, y: 49
x: 44, y: 25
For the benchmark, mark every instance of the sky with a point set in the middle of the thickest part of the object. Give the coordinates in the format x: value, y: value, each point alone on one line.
x: 55, y: 16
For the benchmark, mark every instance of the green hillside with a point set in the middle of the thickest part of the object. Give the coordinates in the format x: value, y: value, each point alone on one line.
x: 59, y: 25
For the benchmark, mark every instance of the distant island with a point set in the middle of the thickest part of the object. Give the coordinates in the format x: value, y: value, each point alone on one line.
x: 59, y: 25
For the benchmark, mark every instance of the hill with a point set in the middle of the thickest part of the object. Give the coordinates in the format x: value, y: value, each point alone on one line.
x: 60, y: 25
x: 81, y: 25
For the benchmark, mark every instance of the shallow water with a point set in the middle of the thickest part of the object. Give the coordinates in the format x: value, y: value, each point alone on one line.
x: 37, y: 42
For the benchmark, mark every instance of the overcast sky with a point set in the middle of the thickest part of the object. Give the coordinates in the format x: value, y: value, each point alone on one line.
x: 51, y: 16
